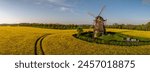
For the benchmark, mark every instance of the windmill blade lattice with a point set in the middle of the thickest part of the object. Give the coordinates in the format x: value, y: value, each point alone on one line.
x: 101, y: 10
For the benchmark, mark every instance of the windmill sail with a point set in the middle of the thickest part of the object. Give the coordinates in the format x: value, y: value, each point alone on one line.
x: 101, y: 10
x: 91, y: 14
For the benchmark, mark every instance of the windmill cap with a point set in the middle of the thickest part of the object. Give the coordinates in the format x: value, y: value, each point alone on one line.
x: 99, y: 17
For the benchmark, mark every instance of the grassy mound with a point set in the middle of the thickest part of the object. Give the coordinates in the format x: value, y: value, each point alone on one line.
x: 113, y: 38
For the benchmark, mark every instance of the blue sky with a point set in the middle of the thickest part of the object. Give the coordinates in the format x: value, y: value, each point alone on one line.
x: 74, y: 11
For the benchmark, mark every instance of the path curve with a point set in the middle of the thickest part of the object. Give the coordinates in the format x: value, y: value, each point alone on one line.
x: 39, y: 40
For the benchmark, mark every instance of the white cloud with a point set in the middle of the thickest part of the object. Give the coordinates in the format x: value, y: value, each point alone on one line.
x: 64, y: 8
x: 62, y: 5
x: 146, y: 1
x: 38, y: 3
x: 59, y: 3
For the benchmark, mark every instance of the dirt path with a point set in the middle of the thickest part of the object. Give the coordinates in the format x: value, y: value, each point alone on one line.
x: 39, y: 41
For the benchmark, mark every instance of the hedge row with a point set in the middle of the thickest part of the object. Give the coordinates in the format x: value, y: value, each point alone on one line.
x: 111, y: 42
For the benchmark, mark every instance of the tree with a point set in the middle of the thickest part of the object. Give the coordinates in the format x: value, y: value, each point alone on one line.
x: 79, y: 30
x: 148, y: 26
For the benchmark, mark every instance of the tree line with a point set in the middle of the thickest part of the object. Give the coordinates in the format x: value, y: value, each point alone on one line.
x: 144, y: 27
x: 51, y: 26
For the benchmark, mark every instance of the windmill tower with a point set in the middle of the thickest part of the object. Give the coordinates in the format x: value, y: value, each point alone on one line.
x: 99, y: 24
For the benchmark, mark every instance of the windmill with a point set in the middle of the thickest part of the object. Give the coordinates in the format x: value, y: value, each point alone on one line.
x: 99, y: 24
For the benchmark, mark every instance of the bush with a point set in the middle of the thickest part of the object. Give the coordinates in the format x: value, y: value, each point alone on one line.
x: 80, y: 31
x: 87, y: 36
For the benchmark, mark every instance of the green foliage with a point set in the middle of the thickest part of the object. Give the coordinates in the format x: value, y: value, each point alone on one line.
x: 113, y: 39
x: 111, y: 36
x: 79, y: 30
x: 50, y: 26
x: 144, y: 27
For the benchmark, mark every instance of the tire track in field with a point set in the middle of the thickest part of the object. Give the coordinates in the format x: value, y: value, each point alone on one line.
x: 39, y: 41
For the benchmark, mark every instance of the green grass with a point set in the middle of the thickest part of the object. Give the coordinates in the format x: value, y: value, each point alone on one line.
x: 113, y: 38
x: 109, y: 37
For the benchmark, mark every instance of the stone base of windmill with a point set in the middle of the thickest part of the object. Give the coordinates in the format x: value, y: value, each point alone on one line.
x: 98, y: 34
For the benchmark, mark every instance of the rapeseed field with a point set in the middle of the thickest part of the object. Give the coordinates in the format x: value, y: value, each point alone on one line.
x: 21, y: 41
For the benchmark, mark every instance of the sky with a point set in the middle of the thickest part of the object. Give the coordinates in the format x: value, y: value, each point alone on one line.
x: 74, y: 11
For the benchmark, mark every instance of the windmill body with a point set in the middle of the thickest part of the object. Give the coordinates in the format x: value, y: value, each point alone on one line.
x: 99, y: 27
